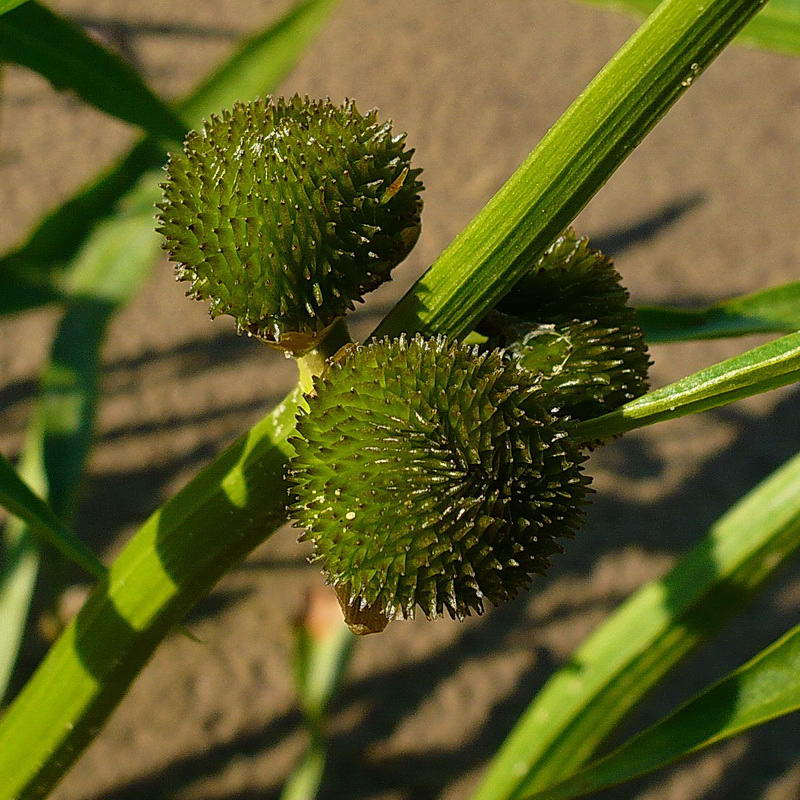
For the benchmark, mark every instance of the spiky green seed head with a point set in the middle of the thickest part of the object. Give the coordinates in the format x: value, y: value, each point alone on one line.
x: 568, y: 320
x: 430, y: 475
x: 283, y: 213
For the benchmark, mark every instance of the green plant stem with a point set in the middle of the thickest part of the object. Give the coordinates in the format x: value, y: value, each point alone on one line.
x: 777, y: 27
x: 321, y: 657
x: 759, y: 370
x: 313, y: 362
x: 179, y: 553
x: 239, y: 500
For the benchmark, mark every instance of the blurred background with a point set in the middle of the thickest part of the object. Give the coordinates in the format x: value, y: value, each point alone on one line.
x: 705, y: 208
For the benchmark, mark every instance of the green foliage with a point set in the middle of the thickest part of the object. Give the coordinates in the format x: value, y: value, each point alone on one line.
x: 34, y: 37
x: 392, y: 419
x: 769, y: 366
x: 283, y: 213
x: 108, y: 260
x: 322, y: 650
x: 776, y: 27
x: 774, y: 310
x: 766, y: 687
x: 33, y: 273
x: 8, y: 5
x: 651, y: 632
x: 17, y: 497
x: 570, y: 164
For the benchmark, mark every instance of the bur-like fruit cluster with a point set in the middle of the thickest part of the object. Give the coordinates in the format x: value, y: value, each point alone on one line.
x: 283, y: 213
x: 428, y: 474
x: 569, y: 321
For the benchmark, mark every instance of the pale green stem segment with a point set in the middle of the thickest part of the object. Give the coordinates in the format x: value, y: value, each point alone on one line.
x: 645, y: 637
x: 239, y: 500
x: 314, y: 361
x: 770, y: 366
x: 573, y: 161
x: 319, y: 664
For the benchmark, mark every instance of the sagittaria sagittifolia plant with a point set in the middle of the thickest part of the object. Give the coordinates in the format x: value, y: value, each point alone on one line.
x: 428, y: 474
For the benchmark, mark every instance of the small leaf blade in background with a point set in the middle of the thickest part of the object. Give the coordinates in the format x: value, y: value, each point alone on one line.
x: 113, y: 257
x: 582, y: 703
x: 774, y: 310
x: 766, y: 687
x: 776, y: 27
x: 31, y: 275
x: 18, y: 498
x: 323, y: 644
x: 761, y: 369
x: 35, y: 37
x: 9, y: 5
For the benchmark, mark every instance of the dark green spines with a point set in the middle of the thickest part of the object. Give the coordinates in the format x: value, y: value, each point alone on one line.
x: 430, y: 475
x: 282, y: 213
x: 569, y: 320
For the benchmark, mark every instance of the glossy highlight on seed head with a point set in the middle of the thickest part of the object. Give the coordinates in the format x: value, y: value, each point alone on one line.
x: 428, y: 474
x: 284, y: 212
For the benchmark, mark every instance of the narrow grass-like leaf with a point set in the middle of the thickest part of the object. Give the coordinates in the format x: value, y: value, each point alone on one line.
x: 774, y: 310
x: 322, y: 650
x: 769, y: 366
x: 763, y: 689
x: 35, y: 37
x: 9, y: 5
x: 648, y: 635
x: 104, y: 275
x: 19, y: 565
x: 178, y: 554
x: 33, y: 274
x: 18, y: 498
x: 777, y: 27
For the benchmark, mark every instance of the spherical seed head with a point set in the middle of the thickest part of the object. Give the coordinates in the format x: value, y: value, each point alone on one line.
x: 429, y: 474
x: 283, y: 213
x: 587, y: 367
x: 568, y: 320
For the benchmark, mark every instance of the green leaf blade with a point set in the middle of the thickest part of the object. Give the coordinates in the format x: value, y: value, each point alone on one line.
x: 18, y: 498
x: 571, y: 163
x: 761, y: 690
x: 774, y: 310
x: 35, y: 37
x: 9, y: 5
x: 776, y: 27
x: 650, y: 633
x: 761, y: 369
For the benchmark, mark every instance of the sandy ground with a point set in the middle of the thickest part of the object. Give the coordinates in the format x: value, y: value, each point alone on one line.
x: 705, y: 208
